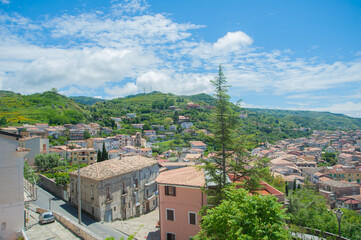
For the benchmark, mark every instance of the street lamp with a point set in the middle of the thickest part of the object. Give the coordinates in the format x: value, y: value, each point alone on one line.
x: 339, y: 216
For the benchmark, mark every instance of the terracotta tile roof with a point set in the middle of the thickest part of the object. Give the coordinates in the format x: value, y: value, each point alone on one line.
x: 187, y: 176
x: 339, y: 184
x: 197, y: 143
x: 115, y: 167
x: 356, y: 197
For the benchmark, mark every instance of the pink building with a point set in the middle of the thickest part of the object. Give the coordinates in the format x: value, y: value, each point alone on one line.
x: 180, y: 198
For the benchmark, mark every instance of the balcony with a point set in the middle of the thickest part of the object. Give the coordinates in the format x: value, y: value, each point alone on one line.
x: 150, y: 197
x: 149, y: 183
x: 109, y: 199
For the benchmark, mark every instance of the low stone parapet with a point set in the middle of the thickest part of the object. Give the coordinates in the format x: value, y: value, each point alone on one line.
x: 74, y: 227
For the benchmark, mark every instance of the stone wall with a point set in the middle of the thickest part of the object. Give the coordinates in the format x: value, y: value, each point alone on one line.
x: 75, y: 228
x: 49, y: 185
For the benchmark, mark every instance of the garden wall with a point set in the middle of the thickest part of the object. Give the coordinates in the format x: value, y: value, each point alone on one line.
x: 50, y: 185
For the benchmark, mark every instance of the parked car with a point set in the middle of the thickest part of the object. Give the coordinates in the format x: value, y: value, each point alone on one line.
x: 46, y: 217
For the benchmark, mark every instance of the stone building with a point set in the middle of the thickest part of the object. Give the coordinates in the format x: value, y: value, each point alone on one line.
x: 118, y: 188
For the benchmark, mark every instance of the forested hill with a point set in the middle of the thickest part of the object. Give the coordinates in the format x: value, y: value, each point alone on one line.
x: 311, y: 119
x: 158, y: 108
x: 86, y: 100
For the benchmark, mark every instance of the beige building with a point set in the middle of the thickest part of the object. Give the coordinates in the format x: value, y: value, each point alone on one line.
x: 82, y: 155
x: 118, y: 188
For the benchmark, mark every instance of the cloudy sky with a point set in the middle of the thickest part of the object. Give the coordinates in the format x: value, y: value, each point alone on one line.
x: 303, y: 55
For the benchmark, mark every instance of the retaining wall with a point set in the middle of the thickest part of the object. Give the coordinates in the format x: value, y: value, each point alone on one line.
x: 75, y: 228
x: 50, y: 185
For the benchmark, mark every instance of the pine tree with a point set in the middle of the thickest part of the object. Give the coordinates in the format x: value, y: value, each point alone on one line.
x: 224, y: 123
x: 294, y: 185
x: 99, y: 156
x: 104, y: 153
x: 231, y: 149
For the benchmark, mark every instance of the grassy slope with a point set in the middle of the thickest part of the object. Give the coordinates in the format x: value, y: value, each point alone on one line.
x: 39, y: 107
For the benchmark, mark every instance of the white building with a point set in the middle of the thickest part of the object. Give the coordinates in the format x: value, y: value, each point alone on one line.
x: 36, y: 145
x: 11, y: 186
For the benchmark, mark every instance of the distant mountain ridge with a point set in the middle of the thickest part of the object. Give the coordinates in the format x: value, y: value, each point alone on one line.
x: 55, y: 108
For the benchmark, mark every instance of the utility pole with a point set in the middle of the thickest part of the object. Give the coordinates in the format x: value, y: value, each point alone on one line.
x: 79, y: 197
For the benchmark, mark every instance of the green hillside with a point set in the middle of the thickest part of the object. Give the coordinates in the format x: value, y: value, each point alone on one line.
x: 155, y: 108
x: 47, y: 107
x: 314, y: 120
x: 86, y: 100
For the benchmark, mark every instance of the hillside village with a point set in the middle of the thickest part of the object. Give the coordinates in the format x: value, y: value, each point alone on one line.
x: 135, y: 178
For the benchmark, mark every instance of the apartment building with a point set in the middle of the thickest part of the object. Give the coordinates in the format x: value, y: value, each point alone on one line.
x: 36, y: 144
x: 82, y: 155
x: 117, y: 188
x: 11, y: 186
x: 180, y: 199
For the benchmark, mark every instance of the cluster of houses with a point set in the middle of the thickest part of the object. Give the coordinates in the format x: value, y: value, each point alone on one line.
x: 132, y: 182
x: 298, y: 160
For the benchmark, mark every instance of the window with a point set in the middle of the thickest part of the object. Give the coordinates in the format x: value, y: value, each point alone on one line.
x: 108, y: 193
x: 170, y: 191
x: 170, y: 214
x: 170, y: 236
x: 136, y: 182
x: 192, y: 218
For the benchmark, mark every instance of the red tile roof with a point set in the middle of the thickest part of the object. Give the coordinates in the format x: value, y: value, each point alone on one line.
x: 187, y: 176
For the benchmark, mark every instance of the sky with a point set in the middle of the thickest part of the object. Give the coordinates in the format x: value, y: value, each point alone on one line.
x: 300, y: 55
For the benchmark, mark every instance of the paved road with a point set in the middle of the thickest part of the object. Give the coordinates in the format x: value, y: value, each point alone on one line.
x: 62, y: 207
x: 53, y: 231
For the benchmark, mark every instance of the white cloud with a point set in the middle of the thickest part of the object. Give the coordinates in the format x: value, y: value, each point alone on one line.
x: 349, y: 108
x: 134, y: 50
x: 129, y: 7
x: 178, y: 83
x: 233, y: 41
x: 117, y: 91
x: 5, y: 1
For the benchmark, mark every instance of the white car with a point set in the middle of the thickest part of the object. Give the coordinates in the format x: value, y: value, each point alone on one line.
x: 46, y: 217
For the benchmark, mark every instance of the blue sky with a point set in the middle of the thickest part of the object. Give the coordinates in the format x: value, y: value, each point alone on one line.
x: 303, y: 55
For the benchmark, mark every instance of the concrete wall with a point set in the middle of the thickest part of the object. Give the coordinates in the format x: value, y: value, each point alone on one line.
x: 75, y: 228
x: 49, y: 185
x: 11, y: 188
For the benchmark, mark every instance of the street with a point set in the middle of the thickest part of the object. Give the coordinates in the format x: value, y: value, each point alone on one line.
x: 64, y: 208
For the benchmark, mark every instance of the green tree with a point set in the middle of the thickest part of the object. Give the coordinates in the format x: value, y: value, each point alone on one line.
x: 29, y: 173
x: 3, y: 120
x: 330, y: 158
x: 86, y: 135
x: 244, y: 216
x: 168, y: 121
x: 231, y: 148
x: 307, y: 208
x: 99, y: 156
x: 224, y: 122
x: 104, y: 153
x: 45, y: 162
